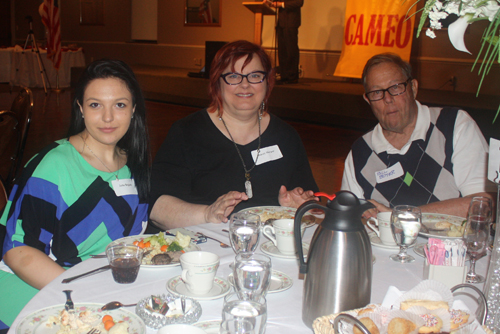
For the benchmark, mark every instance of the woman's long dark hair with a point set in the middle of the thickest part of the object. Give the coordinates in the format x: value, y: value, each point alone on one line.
x: 136, y: 141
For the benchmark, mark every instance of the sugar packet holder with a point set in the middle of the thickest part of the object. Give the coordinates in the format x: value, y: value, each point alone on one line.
x: 448, y: 275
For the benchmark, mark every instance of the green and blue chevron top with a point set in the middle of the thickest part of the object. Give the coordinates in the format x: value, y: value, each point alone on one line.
x: 63, y: 206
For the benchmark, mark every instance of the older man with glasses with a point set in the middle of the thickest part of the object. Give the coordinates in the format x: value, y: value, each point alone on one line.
x: 435, y: 158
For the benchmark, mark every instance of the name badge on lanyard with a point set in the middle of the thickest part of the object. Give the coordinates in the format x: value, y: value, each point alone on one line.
x: 390, y: 173
x: 124, y: 187
x: 267, y: 154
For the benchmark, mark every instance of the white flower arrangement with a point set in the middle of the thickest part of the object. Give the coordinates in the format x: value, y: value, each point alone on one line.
x: 468, y: 11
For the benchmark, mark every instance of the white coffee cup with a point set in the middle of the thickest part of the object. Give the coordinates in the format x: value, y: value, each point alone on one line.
x: 282, y: 236
x: 198, y: 271
x: 383, y: 221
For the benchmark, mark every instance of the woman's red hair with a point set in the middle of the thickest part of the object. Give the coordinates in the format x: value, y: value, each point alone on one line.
x: 228, y: 55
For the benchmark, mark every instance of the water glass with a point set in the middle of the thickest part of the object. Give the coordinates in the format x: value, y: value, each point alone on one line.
x: 252, y: 275
x: 237, y: 326
x: 244, y: 231
x: 476, y: 234
x: 406, y: 221
x: 125, y: 261
x: 253, y: 311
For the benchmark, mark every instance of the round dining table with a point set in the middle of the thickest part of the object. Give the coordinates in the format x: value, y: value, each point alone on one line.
x: 284, y: 308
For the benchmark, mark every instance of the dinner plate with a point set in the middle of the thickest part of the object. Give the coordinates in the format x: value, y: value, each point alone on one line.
x: 277, y: 212
x: 220, y: 288
x: 36, y: 322
x: 375, y: 241
x: 270, y: 249
x: 209, y: 326
x: 430, y: 220
x: 130, y: 239
x: 279, y: 281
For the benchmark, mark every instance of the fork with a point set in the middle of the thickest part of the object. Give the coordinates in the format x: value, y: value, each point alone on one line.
x: 223, y: 245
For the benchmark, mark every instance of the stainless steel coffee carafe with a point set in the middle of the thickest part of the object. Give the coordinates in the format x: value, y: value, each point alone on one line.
x: 338, y: 272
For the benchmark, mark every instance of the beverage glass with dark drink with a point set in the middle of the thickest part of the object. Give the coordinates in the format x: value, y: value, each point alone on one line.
x: 125, y: 261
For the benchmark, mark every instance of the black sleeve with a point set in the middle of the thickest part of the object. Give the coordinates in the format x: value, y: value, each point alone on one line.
x: 170, y: 174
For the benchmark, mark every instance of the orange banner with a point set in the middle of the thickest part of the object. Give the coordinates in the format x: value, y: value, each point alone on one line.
x: 373, y: 27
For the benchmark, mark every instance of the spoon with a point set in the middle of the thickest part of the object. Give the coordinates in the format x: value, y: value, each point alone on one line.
x: 115, y: 305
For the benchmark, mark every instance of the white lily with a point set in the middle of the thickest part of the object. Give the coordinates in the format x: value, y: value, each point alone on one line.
x: 456, y: 32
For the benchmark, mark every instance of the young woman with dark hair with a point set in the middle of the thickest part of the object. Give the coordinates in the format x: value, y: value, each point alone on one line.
x: 80, y: 193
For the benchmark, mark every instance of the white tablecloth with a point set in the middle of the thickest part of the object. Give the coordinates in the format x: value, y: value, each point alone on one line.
x: 25, y: 69
x: 284, y: 308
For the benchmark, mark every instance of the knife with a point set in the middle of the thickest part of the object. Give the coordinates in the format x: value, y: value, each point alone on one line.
x: 89, y: 273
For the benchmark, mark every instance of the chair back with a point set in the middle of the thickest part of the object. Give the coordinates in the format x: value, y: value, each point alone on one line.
x: 3, y: 203
x: 22, y: 106
x: 10, y: 140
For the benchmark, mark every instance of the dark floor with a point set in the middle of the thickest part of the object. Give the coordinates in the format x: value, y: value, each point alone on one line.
x: 326, y: 146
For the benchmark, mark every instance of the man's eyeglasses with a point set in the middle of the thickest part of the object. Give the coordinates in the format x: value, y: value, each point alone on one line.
x: 395, y: 90
x: 236, y: 78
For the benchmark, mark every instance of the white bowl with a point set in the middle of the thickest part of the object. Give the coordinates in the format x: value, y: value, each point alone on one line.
x: 181, y: 329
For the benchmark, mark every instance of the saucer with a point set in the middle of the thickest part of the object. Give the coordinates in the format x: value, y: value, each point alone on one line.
x: 279, y: 281
x: 209, y: 326
x: 375, y: 241
x: 270, y: 249
x: 220, y: 288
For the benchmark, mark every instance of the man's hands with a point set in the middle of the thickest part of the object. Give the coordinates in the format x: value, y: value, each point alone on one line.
x: 223, y: 206
x: 373, y: 212
x: 294, y: 198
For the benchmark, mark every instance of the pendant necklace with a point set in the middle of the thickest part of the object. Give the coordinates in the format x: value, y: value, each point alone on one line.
x: 248, y: 184
x: 85, y: 143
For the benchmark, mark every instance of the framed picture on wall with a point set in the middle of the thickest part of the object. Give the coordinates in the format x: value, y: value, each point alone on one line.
x: 92, y: 12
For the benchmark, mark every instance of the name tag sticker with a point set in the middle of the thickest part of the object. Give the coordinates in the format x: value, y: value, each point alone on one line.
x: 390, y: 173
x: 267, y: 154
x: 124, y: 187
x: 494, y: 161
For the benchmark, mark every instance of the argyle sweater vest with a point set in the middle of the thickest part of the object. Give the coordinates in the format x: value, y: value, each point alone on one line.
x: 427, y: 167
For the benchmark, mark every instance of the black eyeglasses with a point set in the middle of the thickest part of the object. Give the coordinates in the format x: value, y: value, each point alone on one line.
x: 236, y: 78
x: 395, y: 90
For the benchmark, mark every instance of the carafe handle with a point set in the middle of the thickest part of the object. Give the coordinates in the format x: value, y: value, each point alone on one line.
x: 297, y: 233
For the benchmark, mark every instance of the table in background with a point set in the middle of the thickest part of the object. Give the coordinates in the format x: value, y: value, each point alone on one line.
x: 284, y: 308
x: 25, y: 70
x: 5, y: 60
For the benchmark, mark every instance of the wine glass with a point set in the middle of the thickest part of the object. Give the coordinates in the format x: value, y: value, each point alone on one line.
x: 252, y: 275
x: 406, y: 221
x: 476, y: 234
x: 253, y: 311
x: 244, y: 231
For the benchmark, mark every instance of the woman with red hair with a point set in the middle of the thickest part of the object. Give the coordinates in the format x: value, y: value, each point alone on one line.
x: 232, y: 155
